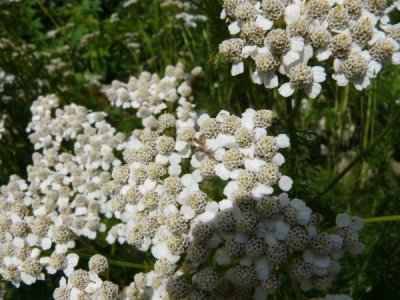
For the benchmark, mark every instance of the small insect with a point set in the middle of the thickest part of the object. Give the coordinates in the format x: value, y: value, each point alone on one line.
x: 200, y: 145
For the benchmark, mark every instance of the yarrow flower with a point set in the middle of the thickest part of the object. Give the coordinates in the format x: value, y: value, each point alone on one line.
x: 282, y: 38
x: 156, y: 187
x: 5, y: 79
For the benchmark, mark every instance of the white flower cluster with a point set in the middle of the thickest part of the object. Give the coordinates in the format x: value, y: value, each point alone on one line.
x: 5, y: 79
x: 57, y: 69
x: 2, y: 125
x: 194, y: 191
x: 81, y: 284
x: 5, y: 2
x: 151, y: 95
x: 189, y: 16
x: 63, y: 195
x: 246, y: 251
x: 190, y: 19
x: 158, y: 191
x: 287, y: 37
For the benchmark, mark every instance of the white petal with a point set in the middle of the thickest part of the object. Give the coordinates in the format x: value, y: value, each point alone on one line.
x: 282, y: 140
x: 237, y: 68
x: 340, y: 79
x: 322, y: 261
x: 323, y: 54
x: 188, y: 212
x: 149, y: 185
x: 286, y: 89
x: 234, y: 28
x: 336, y: 64
x: 256, y: 77
x: 205, y: 217
x: 292, y: 13
x: 221, y: 257
x: 219, y: 154
x: 247, y: 118
x: 32, y: 239
x: 161, y: 159
x: 342, y: 220
x: 278, y: 159
x: 202, y: 119
x: 225, y: 205
x: 249, y: 51
x: 51, y: 270
x: 221, y: 171
x: 170, y: 210
x: 336, y: 241
x: 253, y: 164
x: 270, y: 81
x: 319, y: 271
x: 230, y: 188
x: 282, y: 230
x: 297, y: 44
x: 260, y: 133
x: 319, y: 74
x: 356, y: 223
x: 307, y: 53
x: 396, y: 58
x: 46, y: 243
x: 374, y: 68
x: 361, y: 83
x: 225, y: 140
x: 35, y: 253
x: 174, y: 170
x: 313, y: 90
x: 261, y: 190
x: 27, y: 279
x: 385, y: 18
x: 92, y: 287
x: 18, y: 242
x: 212, y: 206
x: 188, y: 180
x: 180, y: 145
x: 285, y: 183
x: 290, y: 57
x: 263, y: 22
x: 174, y: 159
x: 308, y: 256
x: 262, y: 268
x: 159, y: 250
x: 223, y: 14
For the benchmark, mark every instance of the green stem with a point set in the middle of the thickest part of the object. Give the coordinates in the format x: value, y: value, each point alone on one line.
x: 47, y: 13
x: 297, y: 104
x: 291, y: 125
x: 296, y: 288
x: 371, y: 220
x: 114, y: 262
x: 86, y: 245
x: 360, y: 157
x: 126, y: 264
x: 343, y: 102
x: 382, y: 219
x: 365, y: 140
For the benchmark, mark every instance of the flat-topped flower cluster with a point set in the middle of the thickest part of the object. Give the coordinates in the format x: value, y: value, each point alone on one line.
x: 204, y: 196
x: 5, y: 79
x: 292, y: 42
